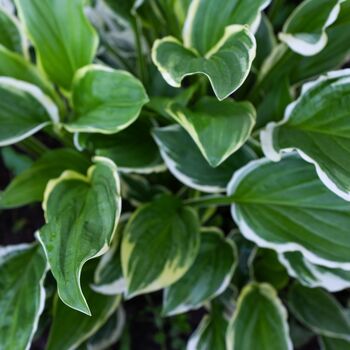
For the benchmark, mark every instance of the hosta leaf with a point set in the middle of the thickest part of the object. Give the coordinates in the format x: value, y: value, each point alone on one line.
x: 209, y: 275
x: 24, y: 110
x: 108, y: 277
x: 22, y: 295
x: 259, y: 307
x: 226, y: 65
x: 62, y: 36
x: 133, y: 149
x: 186, y: 163
x: 105, y: 100
x: 319, y: 311
x: 285, y: 207
x: 80, y: 211
x: 163, y: 229
x: 218, y: 128
x: 328, y: 343
x: 206, y: 20
x: 210, y: 334
x: 11, y: 34
x: 317, y: 126
x: 71, y: 328
x: 29, y: 186
x: 312, y: 275
x: 15, y: 66
x: 308, y: 37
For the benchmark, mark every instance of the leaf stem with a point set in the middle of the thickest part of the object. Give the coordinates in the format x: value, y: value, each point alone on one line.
x: 208, y: 201
x: 33, y: 146
x: 140, y: 56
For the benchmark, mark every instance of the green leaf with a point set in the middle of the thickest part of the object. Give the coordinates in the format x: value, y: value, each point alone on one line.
x: 71, y: 328
x: 209, y: 275
x: 62, y: 36
x: 308, y: 37
x: 328, y: 343
x: 312, y: 275
x: 207, y: 21
x: 163, y: 229
x: 29, y: 186
x: 24, y: 110
x: 22, y: 295
x: 210, y: 334
x: 285, y: 207
x: 15, y: 161
x: 218, y: 128
x: 319, y: 311
x: 15, y: 66
x: 226, y: 65
x: 259, y: 307
x: 316, y: 125
x: 186, y: 163
x: 11, y: 36
x: 105, y: 100
x: 80, y: 211
x: 133, y: 149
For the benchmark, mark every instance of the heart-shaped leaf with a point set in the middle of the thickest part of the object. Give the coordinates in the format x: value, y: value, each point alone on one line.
x: 82, y: 214
x: 62, y: 48
x: 285, y: 207
x: 164, y: 229
x: 226, y: 65
x: 259, y: 307
x: 317, y: 126
x: 308, y: 37
x: 22, y: 295
x: 105, y: 100
x: 218, y: 128
x: 24, y: 110
x: 217, y: 257
x: 186, y: 163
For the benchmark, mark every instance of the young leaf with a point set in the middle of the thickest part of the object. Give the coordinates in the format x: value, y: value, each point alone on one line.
x: 163, y: 229
x: 218, y: 128
x: 82, y: 214
x: 319, y: 311
x: 22, y: 295
x: 226, y: 65
x: 259, y: 307
x: 209, y: 275
x: 62, y: 36
x: 186, y: 163
x: 308, y: 37
x: 206, y: 20
x: 29, y: 186
x: 210, y: 334
x: 312, y: 275
x: 285, y: 207
x: 12, y: 36
x: 71, y: 328
x: 105, y: 100
x: 133, y: 149
x: 24, y: 110
x: 317, y: 126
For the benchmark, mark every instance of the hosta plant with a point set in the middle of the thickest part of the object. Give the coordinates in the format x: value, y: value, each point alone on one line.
x: 195, y: 153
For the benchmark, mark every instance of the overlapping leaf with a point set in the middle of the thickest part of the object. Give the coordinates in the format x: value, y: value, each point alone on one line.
x: 259, y: 307
x: 187, y: 164
x: 317, y: 126
x: 218, y: 128
x: 164, y: 229
x: 82, y: 213
x: 285, y: 207
x: 22, y: 295
x: 209, y: 275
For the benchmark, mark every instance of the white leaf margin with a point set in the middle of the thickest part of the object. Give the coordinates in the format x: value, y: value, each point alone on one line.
x: 6, y: 254
x: 253, y: 236
x: 275, y: 155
